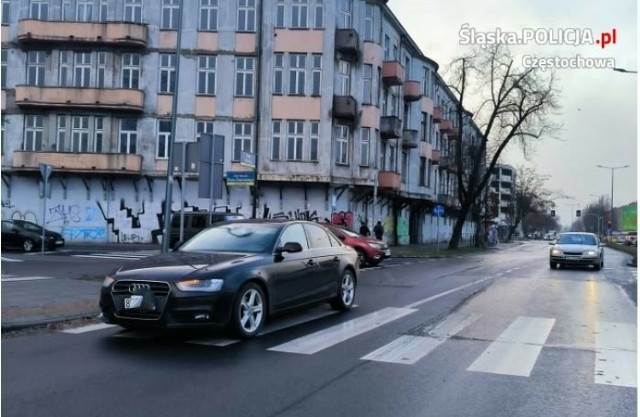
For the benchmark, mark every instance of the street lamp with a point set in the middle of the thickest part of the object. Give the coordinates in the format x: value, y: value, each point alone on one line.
x: 613, y: 169
x: 624, y: 70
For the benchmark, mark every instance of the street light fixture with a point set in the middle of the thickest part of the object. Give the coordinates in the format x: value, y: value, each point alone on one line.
x: 613, y: 169
x: 624, y: 70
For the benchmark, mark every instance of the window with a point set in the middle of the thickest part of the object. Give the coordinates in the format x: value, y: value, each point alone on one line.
x: 365, y: 140
x: 295, y: 140
x: 368, y: 22
x: 342, y: 144
x: 128, y: 137
x: 345, y: 14
x: 83, y: 10
x: 61, y: 133
x: 35, y: 67
x: 278, y: 71
x: 299, y: 14
x: 207, y: 74
x: 167, y: 73
x: 79, y: 134
x: 64, y: 71
x: 244, y: 77
x: 275, y: 140
x: 33, y: 132
x: 425, y: 82
x: 164, y: 136
x: 102, y: 69
x: 296, y: 73
x: 423, y: 167
x: 429, y: 169
x: 246, y: 15
x: 3, y: 65
x: 39, y: 9
x: 170, y: 14
x: 318, y: 21
x: 103, y: 10
x: 315, y: 140
x: 130, y: 71
x: 204, y: 127
x: 98, y: 134
x: 367, y: 84
x: 316, y: 75
x: 133, y: 11
x: 281, y: 8
x: 67, y: 12
x: 294, y: 233
x: 242, y: 139
x: 392, y: 158
x: 387, y: 47
x: 318, y: 238
x: 343, y: 79
x: 6, y: 12
x: 82, y: 69
x: 423, y: 127
x: 208, y: 15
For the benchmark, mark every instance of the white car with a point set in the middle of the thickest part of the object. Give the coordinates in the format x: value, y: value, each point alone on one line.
x: 578, y: 249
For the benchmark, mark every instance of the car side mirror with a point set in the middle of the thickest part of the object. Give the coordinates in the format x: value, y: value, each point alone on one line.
x: 291, y: 247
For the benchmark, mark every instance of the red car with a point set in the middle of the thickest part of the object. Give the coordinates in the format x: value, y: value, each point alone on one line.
x: 370, y: 251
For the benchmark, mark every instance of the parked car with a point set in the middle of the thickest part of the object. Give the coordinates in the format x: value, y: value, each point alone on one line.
x: 370, y: 251
x: 28, y: 236
x: 631, y: 239
x: 578, y: 249
x: 234, y: 274
x: 195, y: 222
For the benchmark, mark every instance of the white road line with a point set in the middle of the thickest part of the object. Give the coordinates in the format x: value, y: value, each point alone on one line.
x: 10, y: 259
x: 516, y: 350
x: 213, y: 341
x: 410, y: 349
x: 89, y: 328
x: 331, y: 336
x: 25, y: 279
x: 442, y: 294
x: 616, y: 354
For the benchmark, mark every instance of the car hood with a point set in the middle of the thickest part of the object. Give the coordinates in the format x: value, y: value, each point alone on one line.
x: 174, y: 266
x: 574, y: 248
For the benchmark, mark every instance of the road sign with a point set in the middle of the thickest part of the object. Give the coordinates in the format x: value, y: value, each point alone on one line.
x: 248, y: 159
x: 45, y: 171
x: 438, y: 211
x: 241, y: 178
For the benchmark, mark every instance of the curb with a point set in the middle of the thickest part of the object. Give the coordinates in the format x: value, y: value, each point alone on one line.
x: 12, y: 327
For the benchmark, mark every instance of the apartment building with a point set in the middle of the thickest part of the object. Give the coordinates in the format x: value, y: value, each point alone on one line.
x: 502, y: 201
x: 347, y: 118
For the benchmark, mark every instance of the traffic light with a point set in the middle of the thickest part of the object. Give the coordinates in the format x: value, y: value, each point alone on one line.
x: 553, y: 213
x: 578, y: 213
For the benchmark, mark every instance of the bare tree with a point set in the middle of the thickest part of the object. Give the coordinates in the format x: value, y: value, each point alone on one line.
x: 530, y: 197
x: 515, y: 104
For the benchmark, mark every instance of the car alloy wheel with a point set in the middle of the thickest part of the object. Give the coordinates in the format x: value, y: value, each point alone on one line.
x: 249, y: 311
x: 28, y: 245
x: 346, y: 292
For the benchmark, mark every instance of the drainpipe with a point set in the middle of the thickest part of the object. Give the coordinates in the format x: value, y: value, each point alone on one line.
x: 256, y: 105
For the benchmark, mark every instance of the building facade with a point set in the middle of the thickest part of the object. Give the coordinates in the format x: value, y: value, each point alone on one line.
x: 348, y: 119
x: 502, y: 197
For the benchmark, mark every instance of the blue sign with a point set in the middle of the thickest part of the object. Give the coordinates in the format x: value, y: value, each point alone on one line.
x: 438, y: 211
x: 248, y: 159
x: 241, y: 178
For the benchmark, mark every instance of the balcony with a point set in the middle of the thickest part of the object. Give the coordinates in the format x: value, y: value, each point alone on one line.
x: 446, y: 126
x: 107, y: 163
x: 390, y: 127
x: 80, y: 98
x: 347, y: 42
x: 410, y: 138
x: 345, y: 107
x: 438, y: 114
x: 435, y: 157
x: 392, y: 73
x: 412, y: 90
x: 125, y: 34
x: 389, y: 179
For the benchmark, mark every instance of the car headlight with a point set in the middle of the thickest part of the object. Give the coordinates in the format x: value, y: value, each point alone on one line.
x: 375, y: 245
x: 556, y: 252
x: 590, y: 253
x: 107, y: 281
x: 205, y: 285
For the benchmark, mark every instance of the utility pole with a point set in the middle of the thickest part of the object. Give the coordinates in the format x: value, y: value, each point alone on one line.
x: 613, y: 169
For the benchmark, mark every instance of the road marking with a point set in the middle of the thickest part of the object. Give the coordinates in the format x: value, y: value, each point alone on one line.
x: 4, y: 259
x: 25, y: 279
x: 616, y: 356
x: 410, y: 349
x: 516, y: 350
x: 89, y: 328
x: 331, y: 336
x: 442, y: 294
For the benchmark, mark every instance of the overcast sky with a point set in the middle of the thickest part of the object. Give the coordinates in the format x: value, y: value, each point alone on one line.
x: 599, y: 106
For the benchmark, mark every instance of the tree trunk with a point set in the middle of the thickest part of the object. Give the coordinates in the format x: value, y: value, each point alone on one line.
x: 457, y: 227
x: 513, y: 228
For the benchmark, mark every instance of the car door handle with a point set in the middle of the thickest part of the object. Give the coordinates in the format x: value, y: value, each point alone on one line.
x: 311, y: 262
x: 336, y: 259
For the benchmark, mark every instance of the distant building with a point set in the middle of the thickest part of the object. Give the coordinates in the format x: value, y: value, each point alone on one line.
x: 502, y: 198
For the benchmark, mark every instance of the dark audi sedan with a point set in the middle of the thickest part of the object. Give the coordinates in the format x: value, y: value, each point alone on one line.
x: 235, y: 274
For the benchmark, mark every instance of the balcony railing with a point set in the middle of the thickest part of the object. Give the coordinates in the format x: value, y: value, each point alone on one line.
x: 435, y: 157
x: 389, y: 179
x: 347, y: 41
x: 125, y: 34
x: 80, y: 97
x: 410, y: 138
x: 412, y: 90
x: 446, y: 126
x: 392, y: 73
x: 390, y: 127
x: 111, y: 163
x: 438, y: 114
x: 345, y: 107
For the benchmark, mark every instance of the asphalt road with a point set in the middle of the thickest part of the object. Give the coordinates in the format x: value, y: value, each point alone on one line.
x: 493, y: 335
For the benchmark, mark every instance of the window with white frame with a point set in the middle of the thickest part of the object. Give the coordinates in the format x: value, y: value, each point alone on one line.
x: 82, y: 69
x: 430, y: 129
x: 64, y: 70
x: 33, y: 132
x: 6, y: 12
x: 207, y: 74
x: 318, y: 17
x: 208, y: 15
x: 170, y: 13
x: 84, y: 8
x: 314, y: 141
x: 365, y: 141
x: 246, y: 16
x: 342, y: 144
x: 167, y: 73
x: 244, y: 76
x: 368, y: 22
x: 316, y: 75
x: 278, y: 73
x: 300, y: 14
x: 422, y: 182
x: 130, y: 71
x: 425, y: 82
x: 68, y: 13
x: 424, y: 126
x: 295, y: 140
x: 36, y: 67
x: 297, y: 73
x: 164, y: 136
x: 61, y: 132
x: 79, y: 134
x: 102, y: 69
x: 392, y: 158
x: 387, y: 48
x: 133, y: 11
x: 276, y: 138
x: 343, y: 78
x: 345, y: 14
x: 242, y: 139
x: 367, y: 84
x: 429, y: 169
x: 204, y: 126
x: 407, y: 67
x: 3, y: 66
x: 98, y: 133
x: 281, y: 9
x: 128, y: 136
x: 382, y: 161
x: 103, y: 10
x: 385, y: 99
x: 39, y: 9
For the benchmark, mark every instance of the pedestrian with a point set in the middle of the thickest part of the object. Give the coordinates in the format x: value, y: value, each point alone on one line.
x: 378, y: 230
x: 364, y: 229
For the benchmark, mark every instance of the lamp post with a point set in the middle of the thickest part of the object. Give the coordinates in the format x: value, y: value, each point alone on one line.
x: 613, y: 169
x: 624, y: 70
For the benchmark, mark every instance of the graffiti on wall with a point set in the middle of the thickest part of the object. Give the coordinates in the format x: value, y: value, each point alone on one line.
x: 296, y: 214
x: 85, y: 233
x: 62, y: 214
x: 135, y: 220
x: 160, y: 230
x: 110, y: 222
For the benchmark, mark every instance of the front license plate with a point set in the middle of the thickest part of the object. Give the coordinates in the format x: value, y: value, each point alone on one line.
x: 387, y: 252
x: 59, y: 242
x: 135, y: 301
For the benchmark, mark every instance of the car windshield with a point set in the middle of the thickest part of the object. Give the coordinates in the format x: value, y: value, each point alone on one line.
x: 31, y: 227
x: 577, y: 240
x: 239, y: 237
